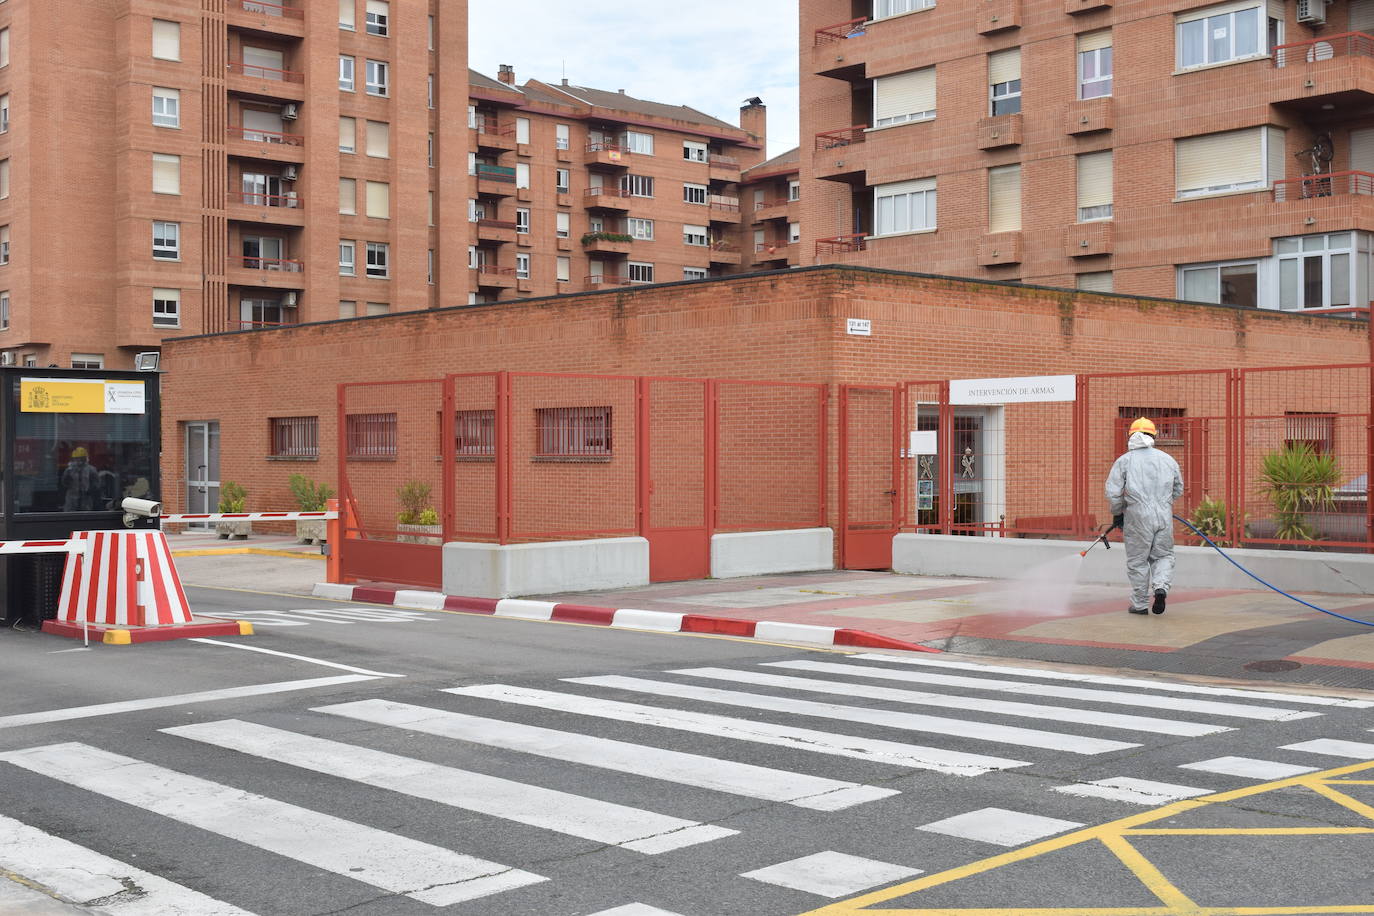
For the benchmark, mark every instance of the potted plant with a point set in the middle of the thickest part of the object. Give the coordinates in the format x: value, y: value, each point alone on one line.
x: 310, y: 497
x: 417, y: 521
x: 232, y: 498
x: 1300, y: 483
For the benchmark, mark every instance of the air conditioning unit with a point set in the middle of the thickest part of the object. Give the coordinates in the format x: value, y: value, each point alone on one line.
x: 292, y: 111
x: 289, y: 173
x: 7, y: 359
x: 1312, y: 12
x: 289, y: 300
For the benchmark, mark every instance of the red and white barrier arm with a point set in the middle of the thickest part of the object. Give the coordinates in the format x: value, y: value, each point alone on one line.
x: 251, y: 517
x: 62, y: 546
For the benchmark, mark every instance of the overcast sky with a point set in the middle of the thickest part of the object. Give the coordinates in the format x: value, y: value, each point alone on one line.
x: 709, y: 54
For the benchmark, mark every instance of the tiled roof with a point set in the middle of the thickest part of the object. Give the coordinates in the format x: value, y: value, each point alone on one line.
x: 482, y: 81
x: 622, y: 102
x: 777, y: 163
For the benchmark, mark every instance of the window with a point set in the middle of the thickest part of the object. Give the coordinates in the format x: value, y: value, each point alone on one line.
x: 560, y: 180
x: 294, y: 437
x: 377, y: 74
x: 642, y: 229
x: 1228, y: 32
x: 379, y: 139
x: 522, y: 174
x: 378, y: 200
x: 429, y: 208
x: 430, y: 33
x: 573, y: 431
x: 564, y: 269
x: 166, y: 108
x: 882, y: 9
x: 638, y: 272
x: 348, y: 196
x: 4, y: 245
x: 429, y: 266
x: 348, y: 135
x: 1004, y: 199
x: 88, y: 361
x: 370, y: 435
x: 1315, y: 430
x: 522, y: 221
x: 472, y: 163
x: 637, y: 185
x: 348, y: 15
x: 793, y: 233
x: 1236, y: 160
x: 166, y: 174
x: 264, y: 63
x: 1095, y: 64
x: 1169, y: 421
x: 377, y: 15
x: 694, y: 235
x: 4, y: 310
x: 760, y: 240
x: 560, y: 136
x: 1098, y: 281
x: 5, y: 113
x: 522, y: 266
x: 794, y: 190
x: 1004, y: 79
x: 562, y: 225
x: 904, y: 97
x: 1236, y: 283
x: 429, y: 91
x: 166, y: 241
x: 4, y: 178
x: 693, y: 151
x: 348, y: 259
x: 429, y: 155
x: 166, y: 40
x: 1095, y: 186
x: 522, y: 130
x: 905, y: 206
x: 475, y: 259
x: 695, y: 273
x: 694, y: 193
x: 348, y: 308
x: 166, y: 308
x: 1322, y: 271
x: 475, y: 432
x: 377, y: 308
x: 378, y: 259
x: 638, y: 142
x: 346, y: 65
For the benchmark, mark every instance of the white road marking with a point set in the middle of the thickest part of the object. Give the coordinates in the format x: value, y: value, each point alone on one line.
x: 907, y: 755
x: 79, y: 874
x: 299, y: 658
x: 635, y: 909
x: 1334, y: 748
x: 182, y: 699
x: 342, y: 616
x: 746, y: 779
x: 1248, y: 768
x: 1142, y: 683
x: 77, y: 649
x: 1000, y: 826
x: 388, y: 861
x: 522, y: 803
x: 977, y: 731
x: 1134, y: 791
x: 831, y: 874
x: 1154, y: 701
x: 978, y: 704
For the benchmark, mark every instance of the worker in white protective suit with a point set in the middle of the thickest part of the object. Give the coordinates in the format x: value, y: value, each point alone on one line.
x: 1141, y: 490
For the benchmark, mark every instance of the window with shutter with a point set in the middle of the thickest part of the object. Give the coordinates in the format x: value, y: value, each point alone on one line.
x: 1004, y: 199
x: 348, y: 135
x: 166, y: 40
x: 904, y: 206
x: 1095, y: 64
x: 1095, y: 186
x: 904, y: 97
x: 1228, y: 32
x: 1235, y: 160
x: 348, y: 15
x: 379, y: 139
x: 1099, y: 281
x: 1004, y: 79
x: 166, y: 174
x: 1361, y: 16
x: 379, y: 200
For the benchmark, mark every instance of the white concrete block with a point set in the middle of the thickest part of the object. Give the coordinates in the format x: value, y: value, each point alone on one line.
x: 634, y: 619
x: 795, y: 632
x: 511, y: 570
x: 424, y: 601
x: 525, y: 610
x: 757, y: 553
x: 333, y: 591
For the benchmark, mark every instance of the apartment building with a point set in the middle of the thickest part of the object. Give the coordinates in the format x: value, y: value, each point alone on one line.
x: 1216, y: 152
x: 770, y: 198
x: 221, y: 165
x: 576, y: 189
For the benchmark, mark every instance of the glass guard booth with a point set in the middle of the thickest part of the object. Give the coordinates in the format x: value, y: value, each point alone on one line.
x: 74, y: 443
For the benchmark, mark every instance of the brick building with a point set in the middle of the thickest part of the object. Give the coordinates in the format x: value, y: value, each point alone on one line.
x: 579, y: 189
x: 770, y: 198
x: 1147, y: 148
x: 170, y: 168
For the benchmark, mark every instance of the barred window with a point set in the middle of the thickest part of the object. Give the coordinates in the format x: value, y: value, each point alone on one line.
x: 1170, y: 433
x: 295, y: 437
x: 1315, y: 429
x: 475, y: 432
x: 370, y: 435
x: 574, y: 431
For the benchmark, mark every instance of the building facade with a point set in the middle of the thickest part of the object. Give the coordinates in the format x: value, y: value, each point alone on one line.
x: 770, y: 198
x: 224, y: 165
x: 1219, y: 152
x: 575, y: 189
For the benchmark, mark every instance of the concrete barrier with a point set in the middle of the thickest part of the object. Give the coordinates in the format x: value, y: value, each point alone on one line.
x: 757, y: 553
x: 512, y: 570
x: 1197, y: 567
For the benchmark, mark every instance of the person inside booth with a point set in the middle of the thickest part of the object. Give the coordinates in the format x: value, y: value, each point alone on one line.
x: 81, y: 485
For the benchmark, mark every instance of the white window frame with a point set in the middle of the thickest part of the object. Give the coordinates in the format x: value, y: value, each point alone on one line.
x: 5, y: 311
x: 562, y: 180
x: 378, y: 260
x: 522, y: 131
x: 695, y: 235
x: 919, y: 195
x: 377, y: 23
x: 522, y: 174
x: 562, y: 225
x: 694, y: 151
x: 522, y: 220
x: 886, y: 9
x: 348, y: 258
x: 907, y: 117
x: 793, y: 233
x: 88, y: 360
x: 1004, y: 93
x: 1216, y: 267
x: 348, y: 16
x: 1201, y: 21
x: 639, y: 143
x: 1102, y: 59
x: 638, y: 185
x: 691, y: 193
x: 171, y: 249
x: 378, y: 74
x: 4, y: 245
x: 522, y: 266
x: 352, y: 132
x: 639, y: 272
x: 1265, y: 181
x: 166, y: 307
x: 1356, y: 253
x: 794, y: 190
x: 695, y: 273
x: 561, y: 136
x: 166, y: 108
x: 348, y: 70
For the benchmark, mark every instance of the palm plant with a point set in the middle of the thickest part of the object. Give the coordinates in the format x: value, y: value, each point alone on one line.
x: 1298, y: 480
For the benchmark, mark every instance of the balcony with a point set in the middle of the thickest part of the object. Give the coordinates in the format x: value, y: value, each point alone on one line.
x: 499, y: 231
x: 841, y: 31
x: 1332, y: 184
x: 724, y: 209
x: 1327, y: 73
x: 999, y: 248
x: 831, y: 47
x: 999, y: 131
x: 265, y: 82
x: 612, y: 243
x: 492, y: 277
x: 275, y: 273
x: 771, y: 209
x: 772, y: 251
x: 1090, y: 116
x: 279, y: 18
x: 1074, y: 7
x: 273, y: 209
x: 492, y: 135
x: 839, y: 154
x: 723, y: 168
x: 606, y: 155
x: 725, y: 253
x: 265, y: 144
x: 495, y: 180
x: 244, y: 325
x: 604, y: 281
x: 1084, y: 240
x: 998, y: 15
x: 613, y: 198
x: 845, y: 136
x: 841, y: 244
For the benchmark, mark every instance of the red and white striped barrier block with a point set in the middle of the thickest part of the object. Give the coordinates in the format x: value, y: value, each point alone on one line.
x: 624, y: 618
x: 122, y: 578
x: 62, y: 546
x: 250, y: 517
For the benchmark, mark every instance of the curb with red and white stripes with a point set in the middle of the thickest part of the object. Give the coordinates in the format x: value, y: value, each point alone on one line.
x: 625, y: 618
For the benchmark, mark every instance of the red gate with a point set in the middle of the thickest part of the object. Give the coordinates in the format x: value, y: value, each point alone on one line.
x: 675, y: 483
x: 869, y: 508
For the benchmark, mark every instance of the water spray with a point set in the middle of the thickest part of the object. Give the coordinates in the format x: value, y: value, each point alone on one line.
x: 1100, y: 539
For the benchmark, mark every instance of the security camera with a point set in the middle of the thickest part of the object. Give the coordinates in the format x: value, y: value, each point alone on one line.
x: 135, y: 509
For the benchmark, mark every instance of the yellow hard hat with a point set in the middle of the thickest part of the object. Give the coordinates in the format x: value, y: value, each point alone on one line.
x: 79, y: 452
x: 1143, y: 425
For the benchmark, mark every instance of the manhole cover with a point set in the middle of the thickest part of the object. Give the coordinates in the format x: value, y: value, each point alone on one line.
x: 1277, y: 664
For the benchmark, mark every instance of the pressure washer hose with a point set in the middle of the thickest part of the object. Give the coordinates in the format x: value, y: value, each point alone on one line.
x: 1266, y: 584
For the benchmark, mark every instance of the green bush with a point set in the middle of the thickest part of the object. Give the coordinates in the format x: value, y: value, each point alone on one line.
x: 1298, y: 480
x: 428, y: 517
x: 232, y: 497
x: 1209, y: 517
x: 590, y: 237
x: 310, y: 497
x: 414, y: 498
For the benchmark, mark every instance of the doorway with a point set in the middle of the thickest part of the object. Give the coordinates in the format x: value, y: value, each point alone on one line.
x: 976, y: 467
x: 202, y: 468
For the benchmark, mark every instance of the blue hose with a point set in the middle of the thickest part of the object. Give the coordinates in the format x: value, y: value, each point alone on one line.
x: 1266, y: 584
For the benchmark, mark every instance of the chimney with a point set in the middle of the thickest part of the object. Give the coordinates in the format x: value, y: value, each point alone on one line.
x: 506, y: 74
x: 753, y: 120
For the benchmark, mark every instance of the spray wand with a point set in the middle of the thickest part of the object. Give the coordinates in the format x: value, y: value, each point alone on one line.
x: 1101, y: 539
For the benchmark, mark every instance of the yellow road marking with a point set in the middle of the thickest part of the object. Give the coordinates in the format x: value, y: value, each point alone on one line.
x: 258, y: 551
x: 1343, y: 800
x: 1246, y: 831
x: 1148, y: 875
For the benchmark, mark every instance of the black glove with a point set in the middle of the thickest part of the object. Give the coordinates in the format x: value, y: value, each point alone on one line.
x: 1118, y: 520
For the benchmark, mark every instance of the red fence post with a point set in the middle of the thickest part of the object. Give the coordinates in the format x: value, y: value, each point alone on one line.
x: 642, y: 467
x: 448, y: 437
x: 503, y: 457
x: 823, y: 440
x: 945, y: 462
x: 334, y: 537
x: 711, y: 460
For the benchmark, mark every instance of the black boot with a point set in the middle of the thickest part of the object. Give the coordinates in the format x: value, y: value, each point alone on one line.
x: 1158, y: 606
x: 1139, y: 610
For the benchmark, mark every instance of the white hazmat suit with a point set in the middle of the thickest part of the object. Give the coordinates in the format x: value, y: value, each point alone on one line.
x: 1143, y: 485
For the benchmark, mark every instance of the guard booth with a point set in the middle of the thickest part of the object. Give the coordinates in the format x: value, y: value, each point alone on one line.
x: 74, y: 443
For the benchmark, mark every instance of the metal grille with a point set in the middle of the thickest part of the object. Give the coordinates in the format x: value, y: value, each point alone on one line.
x: 371, y: 435
x: 475, y: 432
x: 573, y: 431
x: 295, y: 437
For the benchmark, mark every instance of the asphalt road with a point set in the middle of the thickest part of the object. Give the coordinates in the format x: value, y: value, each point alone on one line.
x: 374, y: 761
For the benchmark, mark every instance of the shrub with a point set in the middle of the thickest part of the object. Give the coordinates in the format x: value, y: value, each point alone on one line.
x: 310, y: 497
x: 232, y: 497
x: 414, y: 498
x: 1209, y: 517
x: 590, y: 237
x: 428, y: 516
x: 1298, y: 480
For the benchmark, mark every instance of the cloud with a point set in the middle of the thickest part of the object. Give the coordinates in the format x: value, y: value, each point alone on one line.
x: 709, y: 54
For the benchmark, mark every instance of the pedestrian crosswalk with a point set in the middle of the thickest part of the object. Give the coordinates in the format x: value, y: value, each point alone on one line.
x: 769, y: 775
